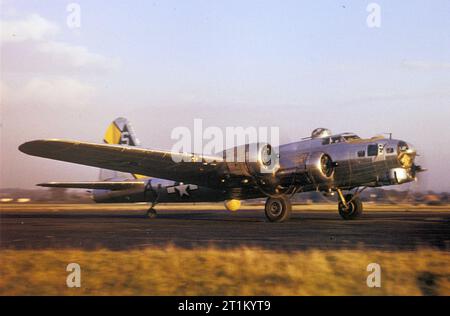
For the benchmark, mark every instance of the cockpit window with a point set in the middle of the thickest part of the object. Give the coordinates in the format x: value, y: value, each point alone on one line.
x: 372, y: 150
x: 351, y: 137
x: 337, y: 139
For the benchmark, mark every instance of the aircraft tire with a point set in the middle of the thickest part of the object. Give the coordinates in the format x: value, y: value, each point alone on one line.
x: 354, y: 210
x: 278, y: 209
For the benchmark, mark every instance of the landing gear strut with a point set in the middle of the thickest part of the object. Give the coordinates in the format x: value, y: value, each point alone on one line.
x: 153, y: 198
x: 350, y: 206
x: 278, y: 209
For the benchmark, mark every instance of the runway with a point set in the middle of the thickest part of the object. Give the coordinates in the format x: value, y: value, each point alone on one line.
x: 120, y: 227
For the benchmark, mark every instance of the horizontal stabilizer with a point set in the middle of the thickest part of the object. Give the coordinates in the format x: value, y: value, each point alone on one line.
x: 100, y: 185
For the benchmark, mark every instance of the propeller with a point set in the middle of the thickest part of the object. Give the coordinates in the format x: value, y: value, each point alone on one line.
x: 407, y: 192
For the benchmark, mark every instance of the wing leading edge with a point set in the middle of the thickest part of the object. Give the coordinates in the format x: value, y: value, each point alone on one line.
x: 195, y: 169
x: 95, y: 185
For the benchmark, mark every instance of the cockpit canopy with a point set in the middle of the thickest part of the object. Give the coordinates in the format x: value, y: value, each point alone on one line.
x: 320, y: 133
x: 340, y: 138
x: 328, y: 138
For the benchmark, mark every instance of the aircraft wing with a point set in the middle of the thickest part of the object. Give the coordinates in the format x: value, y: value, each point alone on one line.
x: 100, y: 185
x: 153, y: 163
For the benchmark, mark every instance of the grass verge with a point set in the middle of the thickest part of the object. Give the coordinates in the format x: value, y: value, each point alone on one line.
x: 244, y: 271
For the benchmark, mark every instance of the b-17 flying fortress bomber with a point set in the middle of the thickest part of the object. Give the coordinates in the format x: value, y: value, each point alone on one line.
x: 330, y: 163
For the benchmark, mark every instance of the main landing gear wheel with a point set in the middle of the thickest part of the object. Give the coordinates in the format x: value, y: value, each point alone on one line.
x: 354, y: 207
x: 151, y: 213
x: 278, y: 209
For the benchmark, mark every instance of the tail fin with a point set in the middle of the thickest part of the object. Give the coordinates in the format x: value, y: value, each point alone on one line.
x: 119, y: 132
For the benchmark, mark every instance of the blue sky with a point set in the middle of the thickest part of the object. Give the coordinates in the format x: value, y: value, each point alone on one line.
x: 294, y: 64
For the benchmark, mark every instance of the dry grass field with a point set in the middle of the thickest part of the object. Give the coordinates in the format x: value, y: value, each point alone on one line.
x: 243, y: 271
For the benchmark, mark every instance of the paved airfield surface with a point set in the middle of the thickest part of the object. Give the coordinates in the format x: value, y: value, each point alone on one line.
x: 118, y: 227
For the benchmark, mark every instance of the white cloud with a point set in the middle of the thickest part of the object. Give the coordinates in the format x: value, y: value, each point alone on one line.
x: 76, y: 56
x: 60, y: 92
x: 33, y: 27
x: 29, y: 45
x: 426, y: 65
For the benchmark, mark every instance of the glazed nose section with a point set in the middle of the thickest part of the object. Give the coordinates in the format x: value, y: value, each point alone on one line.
x: 404, y: 147
x: 406, y: 154
x: 406, y: 169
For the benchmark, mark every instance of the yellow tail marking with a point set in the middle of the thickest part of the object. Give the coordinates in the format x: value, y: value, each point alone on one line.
x: 139, y: 176
x: 112, y: 135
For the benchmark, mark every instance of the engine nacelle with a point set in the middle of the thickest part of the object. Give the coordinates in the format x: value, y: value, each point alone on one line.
x: 263, y: 161
x: 252, y: 160
x: 397, y: 176
x: 319, y: 167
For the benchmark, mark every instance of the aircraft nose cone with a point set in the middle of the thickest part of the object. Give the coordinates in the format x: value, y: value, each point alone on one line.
x: 406, y: 154
x: 411, y: 149
x: 405, y: 147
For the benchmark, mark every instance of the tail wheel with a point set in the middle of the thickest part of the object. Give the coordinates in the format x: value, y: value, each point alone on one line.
x: 151, y: 213
x: 354, y: 208
x: 278, y: 209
